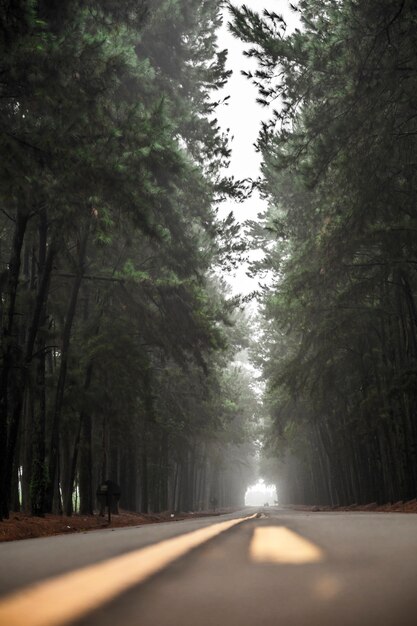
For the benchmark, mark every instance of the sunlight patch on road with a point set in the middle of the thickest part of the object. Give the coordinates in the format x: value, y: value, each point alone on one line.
x: 70, y: 596
x: 276, y: 544
x: 327, y: 587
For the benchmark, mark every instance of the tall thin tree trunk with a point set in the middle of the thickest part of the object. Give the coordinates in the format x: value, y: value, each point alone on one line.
x: 38, y: 470
x: 8, y: 363
x: 144, y: 480
x: 73, y: 469
x: 60, y: 388
x: 86, y: 467
x: 38, y: 473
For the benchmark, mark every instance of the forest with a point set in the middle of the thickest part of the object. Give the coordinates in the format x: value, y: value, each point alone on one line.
x: 339, y: 322
x: 120, y: 334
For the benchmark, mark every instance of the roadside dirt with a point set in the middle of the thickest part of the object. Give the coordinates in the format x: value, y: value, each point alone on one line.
x: 410, y: 506
x: 21, y: 526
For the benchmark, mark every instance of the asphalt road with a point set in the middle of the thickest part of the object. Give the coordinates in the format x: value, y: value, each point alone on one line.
x: 286, y: 567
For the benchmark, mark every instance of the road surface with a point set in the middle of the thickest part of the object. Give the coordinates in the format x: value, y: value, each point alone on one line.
x: 286, y: 567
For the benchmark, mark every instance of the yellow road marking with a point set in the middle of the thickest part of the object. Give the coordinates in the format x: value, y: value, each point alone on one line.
x: 277, y: 544
x: 59, y: 600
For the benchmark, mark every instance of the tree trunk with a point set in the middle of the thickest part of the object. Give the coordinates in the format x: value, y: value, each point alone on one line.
x: 59, y: 396
x: 86, y: 467
x: 73, y: 469
x: 38, y: 473
x: 9, y: 357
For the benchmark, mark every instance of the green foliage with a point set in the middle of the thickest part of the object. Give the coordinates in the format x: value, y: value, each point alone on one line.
x: 340, y: 318
x: 114, y: 334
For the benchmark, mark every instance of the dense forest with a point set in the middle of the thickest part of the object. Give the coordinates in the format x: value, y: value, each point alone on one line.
x: 338, y: 343
x: 118, y: 336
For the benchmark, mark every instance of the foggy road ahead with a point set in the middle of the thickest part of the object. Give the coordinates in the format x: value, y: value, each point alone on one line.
x: 286, y: 567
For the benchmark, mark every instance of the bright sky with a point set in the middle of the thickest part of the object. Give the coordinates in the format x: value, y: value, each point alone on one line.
x: 243, y: 117
x: 260, y: 494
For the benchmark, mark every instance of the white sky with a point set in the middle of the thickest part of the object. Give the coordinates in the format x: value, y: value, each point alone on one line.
x: 260, y: 494
x: 243, y: 117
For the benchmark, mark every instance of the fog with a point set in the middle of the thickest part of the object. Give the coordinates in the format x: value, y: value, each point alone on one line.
x: 260, y: 494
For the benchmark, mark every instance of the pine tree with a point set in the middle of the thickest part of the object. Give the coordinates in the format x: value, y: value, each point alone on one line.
x: 341, y: 316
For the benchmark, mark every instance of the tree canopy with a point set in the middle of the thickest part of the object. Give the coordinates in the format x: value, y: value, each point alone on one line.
x: 339, y: 330
x: 120, y: 338
x: 115, y: 353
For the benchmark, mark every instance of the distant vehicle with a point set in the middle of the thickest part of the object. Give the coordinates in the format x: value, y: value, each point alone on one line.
x: 266, y: 504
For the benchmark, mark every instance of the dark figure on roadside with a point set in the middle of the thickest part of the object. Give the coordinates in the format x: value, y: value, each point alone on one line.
x: 214, y: 502
x: 108, y: 495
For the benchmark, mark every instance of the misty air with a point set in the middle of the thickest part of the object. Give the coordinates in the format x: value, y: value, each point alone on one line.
x: 208, y: 308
